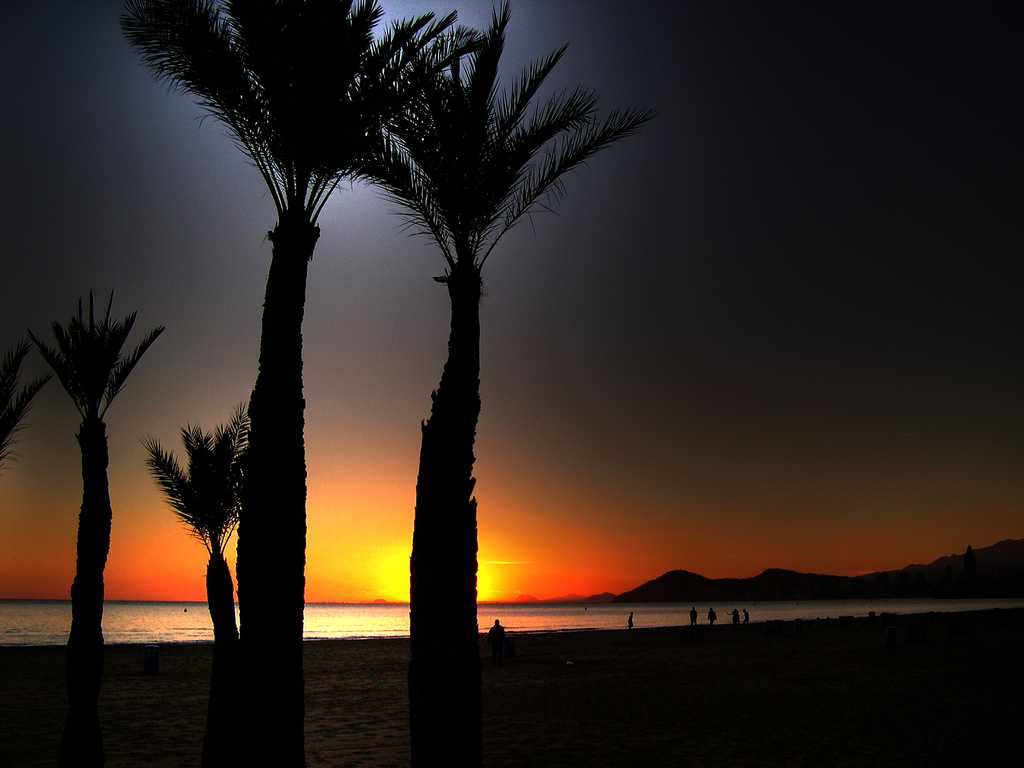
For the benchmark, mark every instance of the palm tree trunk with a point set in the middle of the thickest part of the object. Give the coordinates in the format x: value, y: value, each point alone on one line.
x: 444, y: 676
x: 219, y: 742
x: 82, y: 742
x: 272, y: 524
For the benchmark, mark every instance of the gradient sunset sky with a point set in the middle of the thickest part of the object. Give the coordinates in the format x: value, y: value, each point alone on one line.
x: 782, y: 327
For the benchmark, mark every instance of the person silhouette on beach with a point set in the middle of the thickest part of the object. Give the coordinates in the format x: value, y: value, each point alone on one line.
x: 496, y: 637
x: 712, y: 616
x: 629, y: 621
x: 693, y: 616
x: 735, y: 617
x: 746, y: 616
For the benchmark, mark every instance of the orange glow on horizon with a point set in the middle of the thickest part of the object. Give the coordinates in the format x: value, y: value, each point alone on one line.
x: 360, y: 531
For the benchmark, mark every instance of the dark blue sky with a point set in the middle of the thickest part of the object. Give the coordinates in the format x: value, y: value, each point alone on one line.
x: 781, y: 327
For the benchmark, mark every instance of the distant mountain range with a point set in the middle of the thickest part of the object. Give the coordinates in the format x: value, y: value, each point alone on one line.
x: 604, y: 597
x: 1000, y: 573
x: 773, y: 584
x: 1008, y: 553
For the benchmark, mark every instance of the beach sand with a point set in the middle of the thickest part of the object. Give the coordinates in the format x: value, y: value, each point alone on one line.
x: 754, y: 695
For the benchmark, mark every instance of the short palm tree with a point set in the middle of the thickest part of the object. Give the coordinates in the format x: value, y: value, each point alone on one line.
x: 89, y: 361
x: 206, y: 497
x: 305, y: 89
x: 467, y: 163
x: 15, y: 401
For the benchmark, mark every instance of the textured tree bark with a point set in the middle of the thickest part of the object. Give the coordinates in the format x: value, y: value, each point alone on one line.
x: 220, y: 740
x: 445, y: 706
x: 272, y: 524
x: 82, y: 741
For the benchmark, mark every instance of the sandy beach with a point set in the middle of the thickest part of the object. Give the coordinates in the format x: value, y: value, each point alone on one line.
x: 947, y: 693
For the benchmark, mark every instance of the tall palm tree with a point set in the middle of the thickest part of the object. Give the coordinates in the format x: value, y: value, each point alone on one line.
x: 206, y: 497
x: 467, y: 163
x: 304, y: 88
x: 15, y: 402
x: 89, y: 362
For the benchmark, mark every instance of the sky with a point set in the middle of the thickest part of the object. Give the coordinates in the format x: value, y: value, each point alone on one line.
x: 781, y: 327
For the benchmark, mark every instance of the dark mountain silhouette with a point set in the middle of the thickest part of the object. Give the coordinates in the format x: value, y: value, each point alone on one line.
x: 570, y: 598
x: 604, y: 597
x: 773, y: 584
x: 1008, y: 553
x: 999, y: 573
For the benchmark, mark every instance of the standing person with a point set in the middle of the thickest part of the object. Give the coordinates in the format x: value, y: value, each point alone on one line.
x: 735, y: 616
x: 693, y: 616
x: 496, y: 637
x: 712, y: 616
x: 629, y: 621
x: 746, y: 616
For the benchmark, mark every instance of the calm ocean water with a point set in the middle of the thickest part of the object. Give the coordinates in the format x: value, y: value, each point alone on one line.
x: 46, y: 622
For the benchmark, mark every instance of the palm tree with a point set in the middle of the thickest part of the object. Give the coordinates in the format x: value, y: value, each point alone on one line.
x: 15, y: 402
x: 467, y: 163
x: 304, y: 89
x: 90, y: 365
x: 206, y: 497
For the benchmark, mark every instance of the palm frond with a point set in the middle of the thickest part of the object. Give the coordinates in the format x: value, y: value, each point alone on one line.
x: 206, y: 495
x: 303, y: 87
x: 63, y: 362
x: 545, y: 178
x: 406, y: 183
x: 466, y: 162
x: 14, y: 401
x: 171, y: 480
x: 125, y: 365
x: 511, y: 108
x: 482, y: 77
x: 87, y: 357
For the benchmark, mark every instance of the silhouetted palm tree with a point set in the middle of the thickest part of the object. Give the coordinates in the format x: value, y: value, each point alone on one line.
x: 90, y: 365
x: 304, y: 88
x: 15, y: 402
x: 206, y: 497
x: 467, y: 163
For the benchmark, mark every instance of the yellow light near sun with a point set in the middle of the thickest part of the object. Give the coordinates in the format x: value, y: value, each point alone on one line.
x: 485, y: 583
x: 391, y: 573
x: 391, y: 576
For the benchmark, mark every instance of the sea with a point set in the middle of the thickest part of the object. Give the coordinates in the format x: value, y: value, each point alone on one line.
x: 47, y: 622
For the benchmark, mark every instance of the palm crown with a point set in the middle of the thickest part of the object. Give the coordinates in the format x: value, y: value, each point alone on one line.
x: 207, y: 495
x: 303, y: 86
x: 467, y: 161
x: 88, y: 359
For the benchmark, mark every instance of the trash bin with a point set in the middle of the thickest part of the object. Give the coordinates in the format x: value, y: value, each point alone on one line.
x: 151, y: 660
